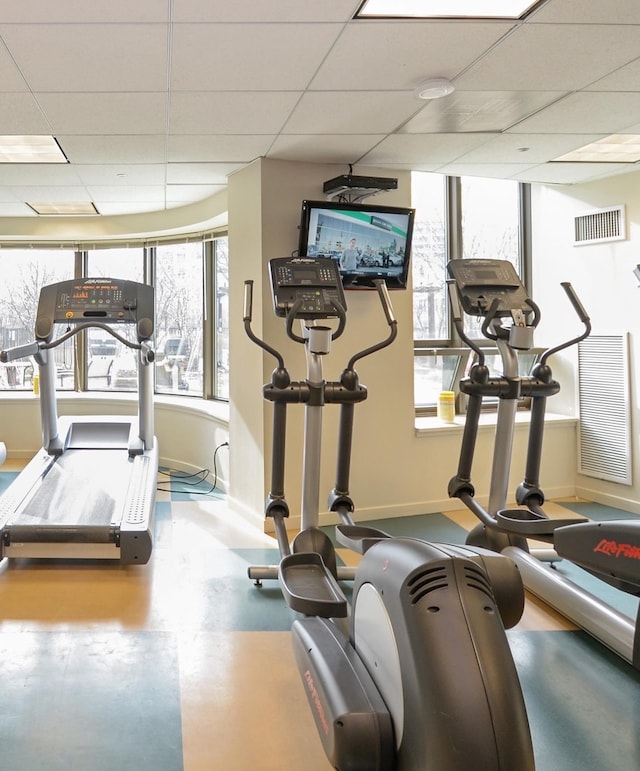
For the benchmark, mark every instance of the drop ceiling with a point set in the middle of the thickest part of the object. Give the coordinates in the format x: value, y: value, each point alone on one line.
x: 156, y: 102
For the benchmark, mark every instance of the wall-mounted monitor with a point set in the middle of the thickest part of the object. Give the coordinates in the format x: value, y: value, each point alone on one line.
x: 367, y: 241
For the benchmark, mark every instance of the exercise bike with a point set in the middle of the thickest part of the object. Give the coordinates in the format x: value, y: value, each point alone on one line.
x: 415, y: 674
x: 492, y: 291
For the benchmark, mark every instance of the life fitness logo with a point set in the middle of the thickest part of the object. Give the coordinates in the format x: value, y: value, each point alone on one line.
x: 315, y: 698
x: 617, y: 550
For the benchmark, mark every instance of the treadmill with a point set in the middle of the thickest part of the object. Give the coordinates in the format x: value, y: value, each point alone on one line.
x: 89, y: 493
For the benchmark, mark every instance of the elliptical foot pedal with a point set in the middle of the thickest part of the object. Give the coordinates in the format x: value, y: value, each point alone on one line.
x: 531, y: 524
x: 359, y: 538
x: 309, y: 587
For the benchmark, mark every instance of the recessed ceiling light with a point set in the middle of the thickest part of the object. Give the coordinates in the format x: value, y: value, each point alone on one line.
x: 425, y: 9
x: 434, y: 88
x: 30, y: 149
x: 68, y: 209
x: 617, y: 148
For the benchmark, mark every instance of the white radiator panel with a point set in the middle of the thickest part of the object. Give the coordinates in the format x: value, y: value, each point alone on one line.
x: 604, y: 434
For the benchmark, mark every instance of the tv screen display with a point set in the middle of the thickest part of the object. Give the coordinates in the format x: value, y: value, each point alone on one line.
x: 367, y: 241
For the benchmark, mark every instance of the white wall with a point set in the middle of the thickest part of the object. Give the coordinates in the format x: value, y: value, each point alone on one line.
x: 603, y: 276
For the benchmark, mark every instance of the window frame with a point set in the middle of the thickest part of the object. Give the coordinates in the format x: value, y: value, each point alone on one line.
x: 452, y: 345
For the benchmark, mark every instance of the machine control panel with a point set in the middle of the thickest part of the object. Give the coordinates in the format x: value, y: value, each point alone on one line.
x: 480, y: 282
x: 315, y: 283
x: 104, y: 300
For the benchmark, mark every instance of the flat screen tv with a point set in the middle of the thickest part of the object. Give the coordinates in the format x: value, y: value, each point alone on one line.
x: 367, y: 241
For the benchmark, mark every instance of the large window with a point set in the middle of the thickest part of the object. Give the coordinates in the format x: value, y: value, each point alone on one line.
x: 191, y: 332
x: 24, y: 272
x: 455, y: 218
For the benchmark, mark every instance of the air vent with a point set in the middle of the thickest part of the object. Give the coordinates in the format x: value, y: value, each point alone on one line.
x: 604, y: 440
x: 477, y: 579
x: 427, y: 581
x: 599, y: 226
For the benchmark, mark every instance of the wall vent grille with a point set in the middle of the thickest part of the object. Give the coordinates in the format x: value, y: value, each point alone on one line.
x: 604, y: 436
x: 599, y: 226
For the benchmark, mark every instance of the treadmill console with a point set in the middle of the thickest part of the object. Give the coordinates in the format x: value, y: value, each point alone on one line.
x: 480, y: 282
x: 315, y: 283
x: 107, y: 300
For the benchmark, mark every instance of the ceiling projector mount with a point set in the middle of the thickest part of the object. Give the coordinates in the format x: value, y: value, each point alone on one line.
x: 350, y: 188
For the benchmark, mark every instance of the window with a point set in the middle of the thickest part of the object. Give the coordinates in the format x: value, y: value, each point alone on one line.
x: 179, y: 318
x: 456, y: 217
x: 191, y: 325
x: 221, y: 317
x: 24, y: 272
x: 110, y: 364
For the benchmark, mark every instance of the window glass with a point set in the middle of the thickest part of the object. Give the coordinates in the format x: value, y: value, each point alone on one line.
x: 110, y: 364
x: 179, y: 318
x: 434, y: 373
x: 428, y: 257
x: 221, y: 270
x: 24, y: 272
x: 490, y: 226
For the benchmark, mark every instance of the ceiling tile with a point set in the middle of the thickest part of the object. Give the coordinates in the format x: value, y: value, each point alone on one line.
x: 114, y: 149
x: 478, y: 111
x: 90, y: 57
x: 350, y: 112
x: 609, y: 12
x: 542, y: 57
x: 399, y: 54
x: 208, y: 148
x: 249, y: 112
x: 603, y: 113
x: 274, y: 10
x: 529, y: 149
x: 20, y: 115
x: 424, y: 148
x: 248, y: 57
x: 322, y: 148
x: 200, y: 173
x: 105, y: 113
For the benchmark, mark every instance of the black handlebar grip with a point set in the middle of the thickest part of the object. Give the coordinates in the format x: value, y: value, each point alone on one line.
x: 575, y: 301
x: 248, y: 300
x: 383, y: 294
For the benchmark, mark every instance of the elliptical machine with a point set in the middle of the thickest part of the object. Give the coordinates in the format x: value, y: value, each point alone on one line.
x: 492, y: 291
x: 416, y: 674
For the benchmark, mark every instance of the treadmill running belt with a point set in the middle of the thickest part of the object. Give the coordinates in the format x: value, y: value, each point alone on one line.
x: 83, y: 488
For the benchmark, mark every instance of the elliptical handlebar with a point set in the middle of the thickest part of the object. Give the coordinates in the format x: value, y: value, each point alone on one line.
x: 247, y: 315
x: 582, y: 315
x: 456, y: 312
x: 385, y: 301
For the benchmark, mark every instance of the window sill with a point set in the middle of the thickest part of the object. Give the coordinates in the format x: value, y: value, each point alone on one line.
x: 211, y: 408
x: 432, y: 425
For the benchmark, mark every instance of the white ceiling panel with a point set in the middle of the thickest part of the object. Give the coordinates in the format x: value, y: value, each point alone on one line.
x: 122, y: 175
x: 275, y: 10
x: 399, y: 54
x: 212, y: 147
x: 603, y: 113
x: 90, y: 57
x: 105, y: 113
x: 247, y: 112
x: 80, y: 12
x: 478, y: 111
x: 570, y: 11
x: 121, y: 193
x: 119, y: 149
x: 20, y: 115
x: 351, y: 112
x: 424, y: 148
x: 490, y: 170
x: 200, y: 173
x: 323, y: 148
x: 568, y: 173
x: 567, y: 56
x: 54, y: 193
x: 185, y: 194
x: 530, y: 149
x: 248, y: 57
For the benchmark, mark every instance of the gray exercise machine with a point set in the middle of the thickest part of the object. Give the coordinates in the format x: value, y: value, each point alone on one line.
x: 415, y: 673
x: 89, y: 493
x: 492, y: 291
